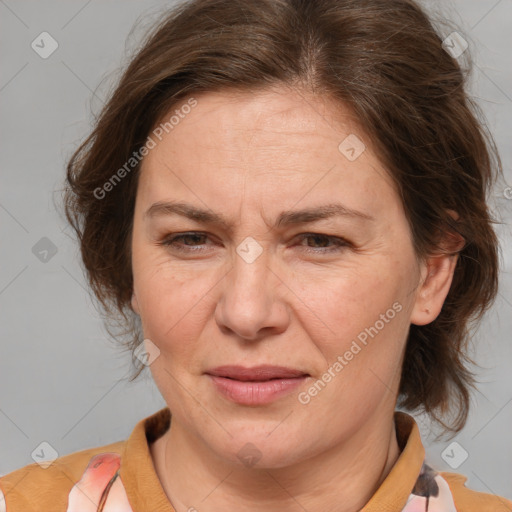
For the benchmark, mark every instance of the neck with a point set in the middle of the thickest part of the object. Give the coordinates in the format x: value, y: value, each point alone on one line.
x: 342, y: 479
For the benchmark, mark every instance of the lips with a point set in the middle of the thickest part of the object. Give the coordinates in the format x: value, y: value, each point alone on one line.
x: 256, y: 386
x: 256, y: 373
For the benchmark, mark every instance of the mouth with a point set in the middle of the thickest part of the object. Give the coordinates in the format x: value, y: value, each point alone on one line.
x: 256, y: 373
x: 254, y: 386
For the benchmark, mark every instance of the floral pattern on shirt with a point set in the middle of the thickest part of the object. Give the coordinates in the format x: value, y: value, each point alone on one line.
x: 431, y: 493
x: 100, y: 489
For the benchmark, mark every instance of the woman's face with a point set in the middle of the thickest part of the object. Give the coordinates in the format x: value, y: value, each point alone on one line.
x: 335, y: 306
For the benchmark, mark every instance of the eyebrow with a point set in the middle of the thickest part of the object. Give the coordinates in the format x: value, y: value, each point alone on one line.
x: 285, y: 218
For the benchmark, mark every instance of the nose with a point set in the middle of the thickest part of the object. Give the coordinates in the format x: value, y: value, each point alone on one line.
x: 252, y: 304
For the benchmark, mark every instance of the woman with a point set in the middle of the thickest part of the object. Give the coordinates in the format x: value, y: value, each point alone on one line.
x: 285, y: 202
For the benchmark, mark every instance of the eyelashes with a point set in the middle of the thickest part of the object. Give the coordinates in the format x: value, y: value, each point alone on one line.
x: 176, y: 242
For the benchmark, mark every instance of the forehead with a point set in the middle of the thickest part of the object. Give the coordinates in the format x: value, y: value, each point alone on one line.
x: 263, y: 112
x: 286, y: 142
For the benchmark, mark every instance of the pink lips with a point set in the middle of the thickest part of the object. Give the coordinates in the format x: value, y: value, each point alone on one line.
x: 257, y: 385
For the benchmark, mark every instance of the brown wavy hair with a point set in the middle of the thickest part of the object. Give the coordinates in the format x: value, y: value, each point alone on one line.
x: 383, y: 59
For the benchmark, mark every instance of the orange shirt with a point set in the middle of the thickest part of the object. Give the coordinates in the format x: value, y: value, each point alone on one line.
x: 120, y: 477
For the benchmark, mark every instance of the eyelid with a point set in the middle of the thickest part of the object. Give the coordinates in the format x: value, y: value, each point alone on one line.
x: 340, y: 243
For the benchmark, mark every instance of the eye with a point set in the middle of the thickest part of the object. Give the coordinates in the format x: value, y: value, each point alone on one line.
x: 178, y: 241
x: 194, y: 241
x: 322, y: 240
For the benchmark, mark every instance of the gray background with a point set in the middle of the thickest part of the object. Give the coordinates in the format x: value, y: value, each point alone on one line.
x: 61, y: 379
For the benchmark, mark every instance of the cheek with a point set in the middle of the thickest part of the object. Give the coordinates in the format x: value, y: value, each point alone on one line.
x: 362, y: 340
x: 346, y: 302
x: 173, y: 304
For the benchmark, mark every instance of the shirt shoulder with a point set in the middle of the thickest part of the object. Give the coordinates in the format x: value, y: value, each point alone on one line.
x: 50, y: 485
x: 467, y: 500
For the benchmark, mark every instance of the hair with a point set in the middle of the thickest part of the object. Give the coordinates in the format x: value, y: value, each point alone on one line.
x: 382, y: 59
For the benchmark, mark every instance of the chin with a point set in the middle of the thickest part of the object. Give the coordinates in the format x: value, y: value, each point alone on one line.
x: 261, y: 451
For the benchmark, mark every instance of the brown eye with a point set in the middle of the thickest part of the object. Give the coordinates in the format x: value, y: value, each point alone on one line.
x: 318, y: 243
x: 186, y: 242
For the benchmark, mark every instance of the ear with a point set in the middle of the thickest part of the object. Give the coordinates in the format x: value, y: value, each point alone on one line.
x: 135, y: 304
x: 436, y: 278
